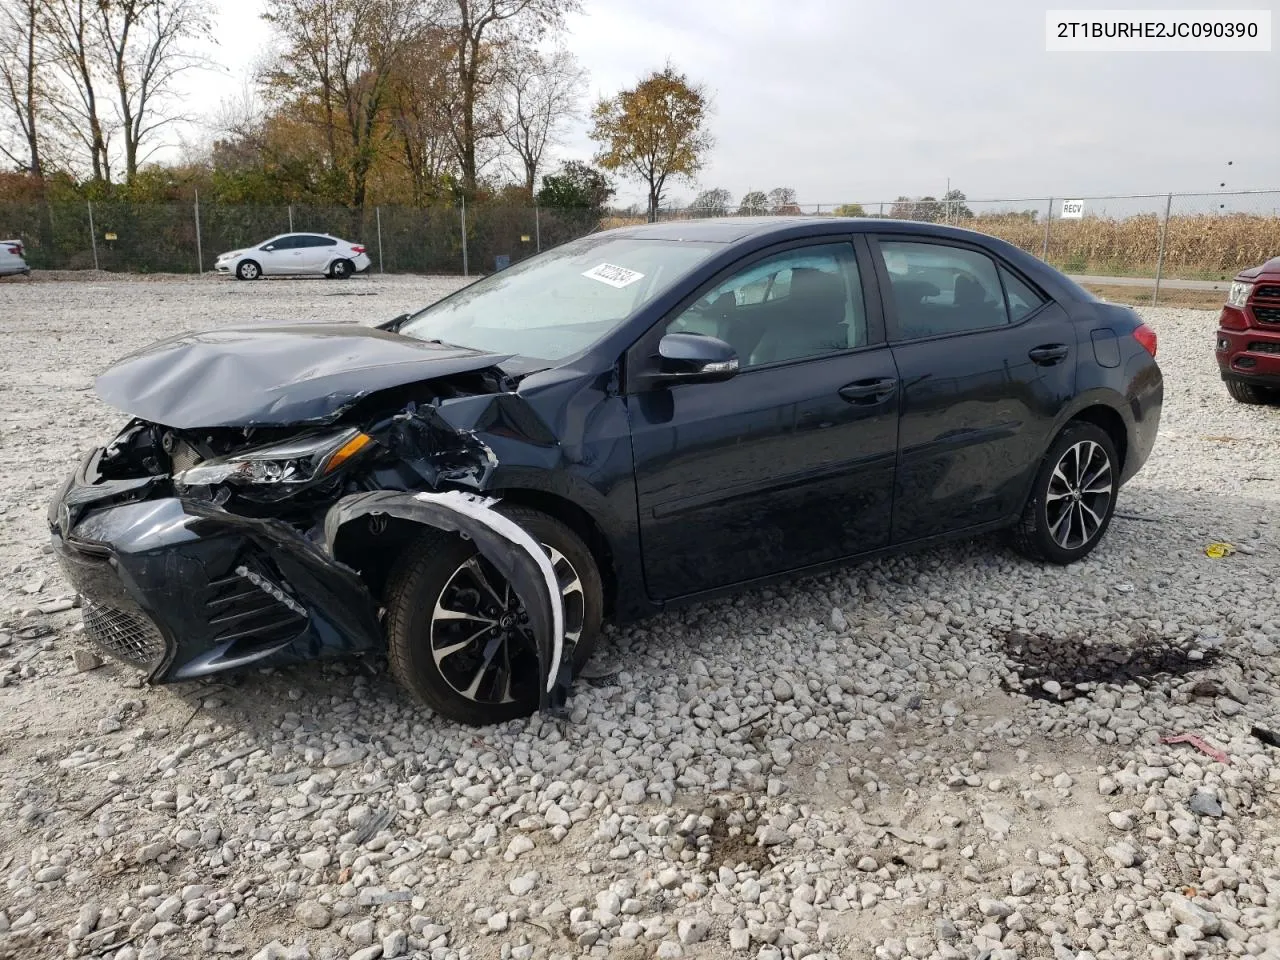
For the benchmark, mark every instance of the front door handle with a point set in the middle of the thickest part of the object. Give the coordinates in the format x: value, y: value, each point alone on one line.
x: 869, y: 391
x: 1048, y: 354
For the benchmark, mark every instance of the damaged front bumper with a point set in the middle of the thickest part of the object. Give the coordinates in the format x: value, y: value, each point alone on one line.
x: 183, y: 589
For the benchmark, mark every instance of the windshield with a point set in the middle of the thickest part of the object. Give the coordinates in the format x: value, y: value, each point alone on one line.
x: 558, y: 303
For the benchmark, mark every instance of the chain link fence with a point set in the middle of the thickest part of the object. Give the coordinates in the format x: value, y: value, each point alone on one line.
x: 188, y: 237
x: 1208, y: 236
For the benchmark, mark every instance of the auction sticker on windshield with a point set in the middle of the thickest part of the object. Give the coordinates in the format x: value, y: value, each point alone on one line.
x: 613, y: 275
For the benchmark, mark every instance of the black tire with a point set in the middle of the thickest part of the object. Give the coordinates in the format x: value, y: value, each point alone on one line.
x: 417, y: 585
x: 1244, y: 392
x: 341, y: 269
x: 1039, y: 534
x: 248, y: 270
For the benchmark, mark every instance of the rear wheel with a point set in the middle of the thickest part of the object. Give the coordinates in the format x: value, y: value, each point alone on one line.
x: 457, y: 636
x: 1073, y: 497
x: 341, y: 269
x: 1245, y: 392
x: 248, y: 270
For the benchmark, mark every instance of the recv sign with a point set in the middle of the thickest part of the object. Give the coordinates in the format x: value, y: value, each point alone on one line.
x: 1072, y: 209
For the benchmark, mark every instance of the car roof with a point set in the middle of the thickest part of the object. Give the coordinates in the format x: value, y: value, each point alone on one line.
x: 734, y: 229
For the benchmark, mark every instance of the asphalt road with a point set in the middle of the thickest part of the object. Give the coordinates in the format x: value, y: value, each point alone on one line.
x: 1165, y: 283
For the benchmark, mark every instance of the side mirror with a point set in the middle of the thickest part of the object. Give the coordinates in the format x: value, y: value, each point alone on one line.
x: 694, y: 358
x: 268, y: 248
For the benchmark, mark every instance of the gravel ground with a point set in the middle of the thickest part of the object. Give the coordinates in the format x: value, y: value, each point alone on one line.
x: 951, y: 754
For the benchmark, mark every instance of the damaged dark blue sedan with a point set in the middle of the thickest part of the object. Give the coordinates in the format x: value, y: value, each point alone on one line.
x: 636, y: 418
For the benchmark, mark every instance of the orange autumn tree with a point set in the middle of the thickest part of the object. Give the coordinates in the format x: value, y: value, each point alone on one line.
x: 656, y: 131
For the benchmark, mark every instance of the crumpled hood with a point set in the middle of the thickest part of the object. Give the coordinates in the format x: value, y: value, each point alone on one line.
x: 274, y: 375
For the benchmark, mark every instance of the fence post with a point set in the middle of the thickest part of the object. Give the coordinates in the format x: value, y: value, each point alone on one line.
x: 537, y: 229
x: 1048, y: 219
x: 1164, y: 231
x: 199, y: 249
x: 93, y: 235
x: 465, y: 271
x: 882, y: 210
x: 377, y: 212
x: 291, y: 218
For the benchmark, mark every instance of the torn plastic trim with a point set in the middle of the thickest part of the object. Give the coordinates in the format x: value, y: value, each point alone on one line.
x: 437, y: 449
x: 503, y: 542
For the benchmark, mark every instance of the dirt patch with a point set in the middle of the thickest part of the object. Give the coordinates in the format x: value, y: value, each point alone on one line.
x: 1059, y: 669
x: 729, y: 849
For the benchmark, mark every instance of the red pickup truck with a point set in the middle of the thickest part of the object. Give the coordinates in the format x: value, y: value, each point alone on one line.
x: 1249, y: 335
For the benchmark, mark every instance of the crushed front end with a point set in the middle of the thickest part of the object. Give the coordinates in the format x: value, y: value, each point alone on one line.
x: 196, y: 551
x: 178, y: 585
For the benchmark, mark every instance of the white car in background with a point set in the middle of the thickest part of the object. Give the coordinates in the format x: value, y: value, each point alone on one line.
x: 11, y: 261
x: 296, y: 254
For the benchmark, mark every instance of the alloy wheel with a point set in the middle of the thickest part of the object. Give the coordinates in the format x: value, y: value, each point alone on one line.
x: 1079, y: 495
x: 480, y: 637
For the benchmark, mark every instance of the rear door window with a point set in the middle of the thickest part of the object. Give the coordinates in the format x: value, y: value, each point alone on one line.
x: 940, y: 289
x: 1023, y: 300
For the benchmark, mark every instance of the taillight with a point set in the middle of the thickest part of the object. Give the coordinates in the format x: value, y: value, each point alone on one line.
x: 356, y: 248
x: 1147, y: 337
x: 1233, y: 319
x: 16, y: 249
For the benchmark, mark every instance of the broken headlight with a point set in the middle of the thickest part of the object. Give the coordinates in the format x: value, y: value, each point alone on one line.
x: 289, y: 465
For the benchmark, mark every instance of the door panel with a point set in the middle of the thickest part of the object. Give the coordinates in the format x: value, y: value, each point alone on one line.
x: 776, y: 468
x: 767, y: 472
x: 279, y: 260
x: 313, y: 254
x: 978, y: 406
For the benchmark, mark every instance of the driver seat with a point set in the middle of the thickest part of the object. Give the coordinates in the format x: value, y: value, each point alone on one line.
x: 810, y: 321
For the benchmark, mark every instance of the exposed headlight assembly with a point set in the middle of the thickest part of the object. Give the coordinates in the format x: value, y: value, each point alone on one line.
x: 280, y: 467
x: 1239, y: 293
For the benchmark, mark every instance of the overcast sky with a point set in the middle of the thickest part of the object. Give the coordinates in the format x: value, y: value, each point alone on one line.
x: 861, y: 101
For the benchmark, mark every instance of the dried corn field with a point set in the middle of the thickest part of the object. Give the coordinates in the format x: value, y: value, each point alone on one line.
x: 1196, y: 245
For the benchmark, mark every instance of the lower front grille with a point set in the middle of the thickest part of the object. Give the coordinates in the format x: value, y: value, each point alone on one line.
x: 128, y: 636
x: 1261, y: 346
x: 250, y: 606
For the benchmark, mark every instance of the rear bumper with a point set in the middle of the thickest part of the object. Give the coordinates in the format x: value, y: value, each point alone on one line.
x: 1252, y: 355
x: 183, y: 589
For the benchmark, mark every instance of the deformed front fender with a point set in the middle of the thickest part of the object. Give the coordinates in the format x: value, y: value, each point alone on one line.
x: 502, y: 541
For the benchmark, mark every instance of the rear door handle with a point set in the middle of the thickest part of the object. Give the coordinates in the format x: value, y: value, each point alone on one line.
x: 869, y: 391
x: 1048, y: 354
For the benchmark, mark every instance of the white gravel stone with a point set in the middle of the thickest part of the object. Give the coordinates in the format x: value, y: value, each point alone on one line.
x: 313, y: 915
x: 780, y: 770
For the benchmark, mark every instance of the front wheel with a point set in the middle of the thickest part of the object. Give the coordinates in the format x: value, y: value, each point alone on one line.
x: 457, y: 636
x: 1073, y: 497
x: 1244, y: 392
x: 248, y: 270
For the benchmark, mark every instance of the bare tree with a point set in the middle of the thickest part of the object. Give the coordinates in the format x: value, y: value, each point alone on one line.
x: 21, y: 58
x: 480, y: 29
x: 783, y: 200
x: 418, y: 115
x: 339, y: 59
x: 539, y: 94
x: 144, y: 43
x: 71, y: 29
